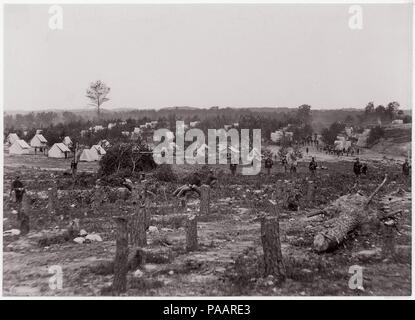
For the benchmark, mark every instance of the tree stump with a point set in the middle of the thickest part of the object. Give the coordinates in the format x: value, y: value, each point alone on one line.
x: 138, y: 226
x: 270, y: 237
x: 97, y: 200
x: 191, y: 233
x: 204, y: 199
x: 52, y: 198
x: 136, y: 194
x: 310, y: 192
x: 119, y: 284
x: 389, y: 241
x: 24, y: 215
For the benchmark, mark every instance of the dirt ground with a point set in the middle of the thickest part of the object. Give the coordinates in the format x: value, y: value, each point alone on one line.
x: 228, y: 260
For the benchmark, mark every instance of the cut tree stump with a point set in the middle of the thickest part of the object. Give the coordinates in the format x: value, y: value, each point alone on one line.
x: 389, y: 241
x: 310, y: 192
x: 351, y: 210
x: 270, y: 237
x: 138, y: 226
x: 191, y: 233
x: 204, y: 199
x: 52, y: 198
x: 273, y: 263
x: 119, y: 284
x: 24, y: 215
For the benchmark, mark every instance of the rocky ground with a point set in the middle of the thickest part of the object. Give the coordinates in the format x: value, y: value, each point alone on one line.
x: 228, y: 261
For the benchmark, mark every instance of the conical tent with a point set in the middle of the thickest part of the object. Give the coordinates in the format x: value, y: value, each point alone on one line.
x: 88, y: 156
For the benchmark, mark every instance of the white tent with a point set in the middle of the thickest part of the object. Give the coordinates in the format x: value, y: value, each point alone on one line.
x: 19, y: 147
x: 38, y: 141
x: 104, y: 143
x: 100, y: 150
x: 254, y: 154
x: 58, y: 150
x: 88, y: 156
x: 67, y: 141
x: 12, y: 138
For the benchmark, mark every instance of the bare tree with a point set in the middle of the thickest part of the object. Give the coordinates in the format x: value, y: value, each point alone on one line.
x: 97, y: 93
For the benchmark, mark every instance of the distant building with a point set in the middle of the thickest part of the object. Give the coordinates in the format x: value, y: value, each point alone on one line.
x: 19, y: 147
x: 276, y: 136
x: 98, y: 128
x: 397, y: 121
x: 349, y: 131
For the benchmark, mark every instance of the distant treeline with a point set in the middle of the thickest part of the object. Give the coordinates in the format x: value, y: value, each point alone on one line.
x: 57, y: 125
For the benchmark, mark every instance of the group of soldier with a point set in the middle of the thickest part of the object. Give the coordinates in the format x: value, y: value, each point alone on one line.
x: 195, y: 180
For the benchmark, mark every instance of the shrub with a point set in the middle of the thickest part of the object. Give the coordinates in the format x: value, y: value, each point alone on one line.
x: 165, y: 173
x: 127, y: 158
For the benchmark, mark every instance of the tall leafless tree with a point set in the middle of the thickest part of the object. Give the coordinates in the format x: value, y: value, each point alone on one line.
x: 97, y: 93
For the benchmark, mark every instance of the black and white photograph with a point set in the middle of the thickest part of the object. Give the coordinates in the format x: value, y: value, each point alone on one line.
x: 207, y: 150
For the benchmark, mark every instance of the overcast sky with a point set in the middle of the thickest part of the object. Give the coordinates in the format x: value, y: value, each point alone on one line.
x: 155, y: 56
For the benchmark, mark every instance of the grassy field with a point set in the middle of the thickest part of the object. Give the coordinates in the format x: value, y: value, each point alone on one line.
x: 229, y: 255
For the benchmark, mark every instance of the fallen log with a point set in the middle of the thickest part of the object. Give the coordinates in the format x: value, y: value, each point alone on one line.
x: 351, y: 213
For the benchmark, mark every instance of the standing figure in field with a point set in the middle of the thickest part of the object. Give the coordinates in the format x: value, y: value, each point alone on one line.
x: 233, y: 166
x: 293, y: 167
x: 211, y: 179
x: 364, y: 169
x: 284, y: 163
x: 74, y: 167
x: 18, y: 189
x: 268, y: 164
x: 306, y: 150
x: 406, y: 167
x: 357, y: 168
x: 312, y: 166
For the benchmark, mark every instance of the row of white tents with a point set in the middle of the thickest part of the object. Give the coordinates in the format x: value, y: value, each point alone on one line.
x: 58, y: 150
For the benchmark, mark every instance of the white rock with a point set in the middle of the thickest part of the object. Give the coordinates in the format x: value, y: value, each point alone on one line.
x: 11, y: 232
x: 153, y: 229
x: 14, y: 211
x: 171, y: 272
x: 79, y: 240
x: 138, y: 273
x: 93, y: 237
x: 167, y: 230
x: 83, y: 233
